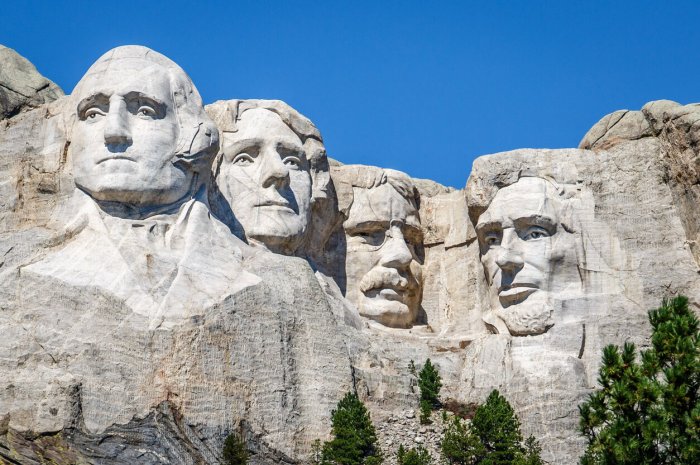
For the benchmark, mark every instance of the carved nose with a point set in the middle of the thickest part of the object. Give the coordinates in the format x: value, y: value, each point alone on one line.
x: 509, y: 258
x: 117, y: 126
x: 273, y: 171
x: 395, y: 253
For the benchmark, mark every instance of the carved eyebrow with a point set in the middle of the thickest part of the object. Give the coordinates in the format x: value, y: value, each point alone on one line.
x: 366, y: 225
x: 291, y: 147
x: 243, y: 144
x: 97, y: 98
x: 136, y: 95
x: 544, y: 221
x: 489, y: 226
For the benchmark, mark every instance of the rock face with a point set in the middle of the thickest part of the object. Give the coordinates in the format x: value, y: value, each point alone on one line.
x: 171, y: 274
x: 21, y: 85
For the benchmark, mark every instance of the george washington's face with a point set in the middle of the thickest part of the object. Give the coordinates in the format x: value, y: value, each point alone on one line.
x: 522, y: 243
x: 384, y: 253
x: 125, y: 137
x: 264, y: 176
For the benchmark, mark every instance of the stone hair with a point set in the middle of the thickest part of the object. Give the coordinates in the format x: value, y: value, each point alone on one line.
x: 367, y: 177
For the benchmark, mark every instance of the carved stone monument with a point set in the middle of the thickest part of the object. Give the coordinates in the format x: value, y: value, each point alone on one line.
x: 172, y: 273
x: 141, y: 146
x: 384, y: 243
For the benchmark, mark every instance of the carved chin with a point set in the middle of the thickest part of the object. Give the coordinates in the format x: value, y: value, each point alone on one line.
x: 527, y: 318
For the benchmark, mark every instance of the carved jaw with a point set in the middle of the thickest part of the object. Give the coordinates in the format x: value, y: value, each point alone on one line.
x: 532, y: 315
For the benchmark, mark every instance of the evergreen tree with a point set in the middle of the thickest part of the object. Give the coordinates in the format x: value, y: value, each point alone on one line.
x: 648, y: 411
x: 354, y: 437
x: 460, y: 446
x: 498, y: 429
x: 493, y: 438
x: 531, y: 454
x: 413, y: 456
x: 235, y: 451
x: 429, y: 382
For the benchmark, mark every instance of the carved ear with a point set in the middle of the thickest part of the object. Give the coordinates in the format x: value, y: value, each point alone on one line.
x: 199, y: 138
x: 318, y: 169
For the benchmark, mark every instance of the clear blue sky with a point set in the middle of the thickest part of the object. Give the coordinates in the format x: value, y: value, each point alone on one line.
x: 424, y: 87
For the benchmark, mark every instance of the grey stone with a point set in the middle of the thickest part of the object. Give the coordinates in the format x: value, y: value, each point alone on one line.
x: 21, y: 86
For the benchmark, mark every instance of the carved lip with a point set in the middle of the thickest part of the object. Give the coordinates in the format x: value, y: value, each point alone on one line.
x: 387, y: 293
x: 117, y: 157
x: 274, y: 203
x: 516, y: 292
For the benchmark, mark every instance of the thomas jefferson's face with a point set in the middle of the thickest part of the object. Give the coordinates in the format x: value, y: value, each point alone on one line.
x: 265, y: 178
x: 384, y: 252
x: 125, y: 137
x: 522, y: 243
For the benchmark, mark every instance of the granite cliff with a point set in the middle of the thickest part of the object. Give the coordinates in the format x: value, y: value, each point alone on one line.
x: 172, y: 272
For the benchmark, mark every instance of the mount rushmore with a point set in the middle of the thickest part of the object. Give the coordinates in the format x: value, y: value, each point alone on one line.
x: 171, y: 272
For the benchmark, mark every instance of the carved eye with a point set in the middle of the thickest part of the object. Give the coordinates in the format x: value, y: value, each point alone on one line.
x: 492, y: 239
x: 535, y: 232
x: 292, y: 162
x: 243, y: 159
x: 372, y: 238
x: 147, y: 111
x: 93, y: 113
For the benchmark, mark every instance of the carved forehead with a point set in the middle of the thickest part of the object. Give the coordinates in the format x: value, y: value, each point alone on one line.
x: 527, y: 197
x: 380, y: 204
x: 133, y: 68
x: 260, y: 123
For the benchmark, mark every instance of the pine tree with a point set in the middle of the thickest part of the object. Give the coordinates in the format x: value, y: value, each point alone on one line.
x: 531, y: 454
x: 498, y: 429
x: 429, y: 382
x: 460, y: 446
x: 493, y: 438
x: 648, y: 411
x: 354, y: 437
x: 413, y: 456
x: 235, y: 451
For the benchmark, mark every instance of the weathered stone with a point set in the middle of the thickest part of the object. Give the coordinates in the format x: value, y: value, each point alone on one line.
x: 148, y: 311
x: 21, y: 86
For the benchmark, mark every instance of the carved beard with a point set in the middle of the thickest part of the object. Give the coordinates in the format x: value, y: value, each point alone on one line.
x: 530, y: 317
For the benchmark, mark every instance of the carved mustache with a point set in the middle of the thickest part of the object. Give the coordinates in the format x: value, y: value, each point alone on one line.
x: 380, y: 278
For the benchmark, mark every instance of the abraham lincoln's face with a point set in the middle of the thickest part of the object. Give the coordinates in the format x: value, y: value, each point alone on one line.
x: 522, y: 243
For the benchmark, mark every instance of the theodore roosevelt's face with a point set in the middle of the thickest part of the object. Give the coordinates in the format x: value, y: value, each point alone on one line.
x: 264, y: 176
x: 125, y: 137
x: 522, y: 242
x: 384, y: 253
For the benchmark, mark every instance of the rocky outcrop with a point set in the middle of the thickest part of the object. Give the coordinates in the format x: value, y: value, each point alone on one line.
x: 261, y: 281
x: 21, y: 86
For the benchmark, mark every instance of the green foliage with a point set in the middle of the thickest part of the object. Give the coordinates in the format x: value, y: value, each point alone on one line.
x: 493, y: 438
x: 460, y: 446
x: 531, y: 454
x: 648, y: 410
x: 316, y: 452
x: 498, y: 429
x: 429, y: 382
x: 235, y: 451
x: 354, y: 437
x: 426, y: 409
x: 413, y: 456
